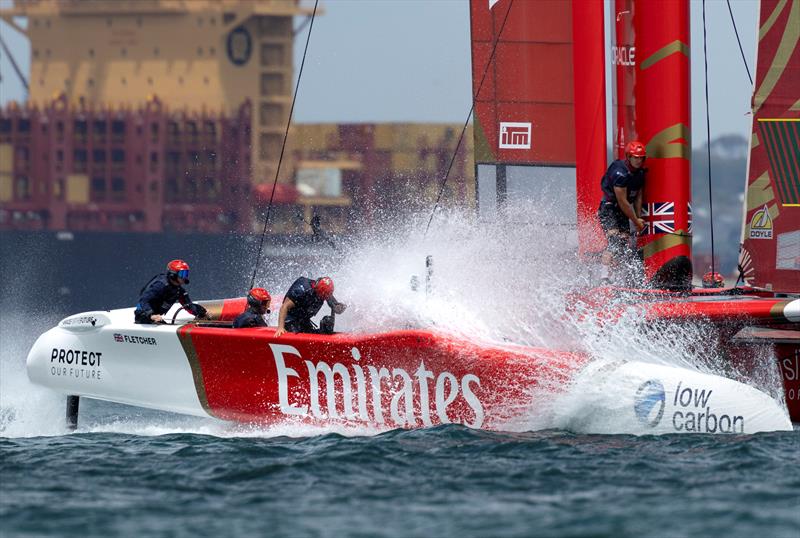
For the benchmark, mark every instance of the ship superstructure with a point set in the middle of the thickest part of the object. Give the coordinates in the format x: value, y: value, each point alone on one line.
x: 169, y: 115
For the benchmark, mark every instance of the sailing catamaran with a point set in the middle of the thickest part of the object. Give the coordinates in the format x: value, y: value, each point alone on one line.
x: 522, y: 140
x: 399, y: 379
x: 424, y: 377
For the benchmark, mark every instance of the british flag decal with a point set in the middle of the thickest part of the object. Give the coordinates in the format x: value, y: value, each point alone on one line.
x: 659, y: 218
x: 690, y: 220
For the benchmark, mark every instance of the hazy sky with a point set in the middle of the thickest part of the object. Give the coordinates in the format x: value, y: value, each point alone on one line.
x: 409, y: 61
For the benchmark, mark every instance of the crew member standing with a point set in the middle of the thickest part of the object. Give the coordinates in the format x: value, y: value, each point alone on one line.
x: 163, y: 290
x: 303, y: 301
x: 257, y: 305
x: 622, y: 186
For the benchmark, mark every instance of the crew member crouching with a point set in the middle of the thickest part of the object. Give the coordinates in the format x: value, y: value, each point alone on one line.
x: 303, y: 301
x: 621, y: 206
x: 258, y: 301
x: 163, y: 290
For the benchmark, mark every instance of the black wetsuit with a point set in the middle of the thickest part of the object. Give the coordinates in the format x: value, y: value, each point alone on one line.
x: 249, y: 318
x: 306, y: 305
x: 619, y: 174
x: 158, y: 296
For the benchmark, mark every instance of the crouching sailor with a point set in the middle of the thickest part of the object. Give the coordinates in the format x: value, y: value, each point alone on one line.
x: 158, y: 295
x: 257, y: 306
x: 303, y: 301
x: 622, y: 187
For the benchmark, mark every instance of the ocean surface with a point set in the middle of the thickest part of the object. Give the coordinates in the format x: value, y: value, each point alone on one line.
x: 134, y: 472
x: 444, y: 481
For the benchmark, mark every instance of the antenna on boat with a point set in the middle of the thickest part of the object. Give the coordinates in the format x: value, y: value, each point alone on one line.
x: 414, y: 283
x: 283, y: 146
x: 469, y: 115
x: 428, y: 275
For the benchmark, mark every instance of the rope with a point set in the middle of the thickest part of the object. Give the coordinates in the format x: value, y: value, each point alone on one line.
x: 469, y: 115
x: 741, y: 50
x: 13, y: 62
x: 740, y: 277
x: 708, y: 137
x: 283, y: 146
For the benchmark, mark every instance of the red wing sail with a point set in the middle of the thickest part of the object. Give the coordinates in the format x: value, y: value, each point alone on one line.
x: 524, y: 110
x: 770, y: 256
x: 590, y: 119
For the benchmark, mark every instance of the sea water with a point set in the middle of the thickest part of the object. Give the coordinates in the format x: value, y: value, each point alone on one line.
x: 134, y: 472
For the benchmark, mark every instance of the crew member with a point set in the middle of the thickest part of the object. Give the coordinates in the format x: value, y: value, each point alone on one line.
x: 303, y: 301
x: 258, y: 300
x: 713, y: 280
x: 622, y: 187
x: 163, y: 290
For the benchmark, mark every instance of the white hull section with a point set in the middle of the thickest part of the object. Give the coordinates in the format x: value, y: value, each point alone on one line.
x: 146, y: 368
x: 648, y: 399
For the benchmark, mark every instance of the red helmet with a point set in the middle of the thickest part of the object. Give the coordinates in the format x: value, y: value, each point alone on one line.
x: 324, y: 287
x: 259, y: 298
x: 178, y: 269
x: 713, y: 280
x: 634, y: 148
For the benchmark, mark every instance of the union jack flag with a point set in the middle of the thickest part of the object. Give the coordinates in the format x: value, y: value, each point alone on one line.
x: 118, y: 337
x: 690, y: 220
x: 659, y: 218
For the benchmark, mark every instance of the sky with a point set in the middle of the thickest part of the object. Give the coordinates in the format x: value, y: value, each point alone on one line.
x: 409, y: 61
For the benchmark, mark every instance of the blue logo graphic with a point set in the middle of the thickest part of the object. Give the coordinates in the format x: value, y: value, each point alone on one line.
x: 650, y: 402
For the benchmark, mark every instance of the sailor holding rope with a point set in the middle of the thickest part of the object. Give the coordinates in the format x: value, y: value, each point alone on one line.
x: 621, y: 206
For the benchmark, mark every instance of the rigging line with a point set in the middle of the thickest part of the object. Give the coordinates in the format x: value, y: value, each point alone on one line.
x: 740, y: 277
x: 14, y: 65
x: 708, y: 137
x: 744, y: 60
x: 469, y: 115
x: 283, y: 146
x: 301, y: 26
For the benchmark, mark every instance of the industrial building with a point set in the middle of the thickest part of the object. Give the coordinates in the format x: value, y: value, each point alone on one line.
x: 169, y: 115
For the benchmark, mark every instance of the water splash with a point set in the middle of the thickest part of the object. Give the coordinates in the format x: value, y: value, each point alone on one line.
x: 26, y: 410
x: 501, y: 282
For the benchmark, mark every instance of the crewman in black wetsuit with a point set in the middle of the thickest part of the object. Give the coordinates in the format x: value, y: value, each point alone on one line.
x: 303, y: 301
x: 257, y: 305
x: 163, y: 290
x: 621, y: 205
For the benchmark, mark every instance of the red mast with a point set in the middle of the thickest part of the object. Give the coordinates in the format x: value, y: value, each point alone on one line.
x: 623, y: 57
x: 662, y: 117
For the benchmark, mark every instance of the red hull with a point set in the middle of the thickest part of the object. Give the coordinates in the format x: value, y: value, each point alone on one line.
x: 377, y: 380
x: 416, y: 378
